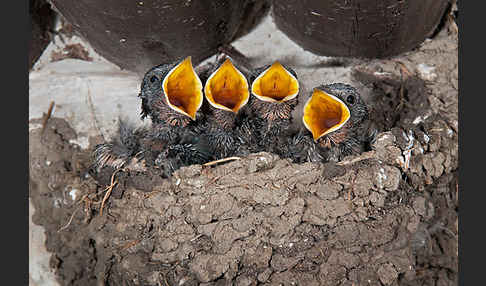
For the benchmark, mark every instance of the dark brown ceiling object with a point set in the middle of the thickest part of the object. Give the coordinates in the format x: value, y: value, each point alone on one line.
x: 358, y: 28
x: 137, y: 35
x: 41, y: 23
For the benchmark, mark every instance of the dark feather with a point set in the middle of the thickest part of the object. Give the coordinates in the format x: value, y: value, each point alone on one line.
x: 120, y: 149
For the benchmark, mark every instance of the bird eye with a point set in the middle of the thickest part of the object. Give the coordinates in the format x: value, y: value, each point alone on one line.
x: 153, y: 79
x: 350, y: 99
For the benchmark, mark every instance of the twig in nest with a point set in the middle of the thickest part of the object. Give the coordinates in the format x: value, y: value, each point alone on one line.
x: 131, y: 244
x: 403, y: 69
x: 87, y: 208
x: 165, y: 279
x: 146, y: 196
x: 69, y: 222
x: 221, y: 161
x: 47, y: 116
x: 213, y: 180
x: 108, y: 190
x: 407, y: 73
x: 402, y: 97
x: 364, y: 156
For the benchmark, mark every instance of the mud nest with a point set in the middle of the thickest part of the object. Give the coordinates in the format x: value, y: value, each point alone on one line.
x: 384, y: 217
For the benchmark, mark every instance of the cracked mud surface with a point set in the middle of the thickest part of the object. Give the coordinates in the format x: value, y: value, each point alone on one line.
x: 385, y: 217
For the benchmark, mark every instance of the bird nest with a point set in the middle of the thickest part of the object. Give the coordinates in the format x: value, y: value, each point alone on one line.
x: 385, y: 215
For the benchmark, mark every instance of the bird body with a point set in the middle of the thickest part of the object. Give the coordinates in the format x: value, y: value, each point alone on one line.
x: 171, y: 97
x: 275, y: 89
x: 334, y: 115
x: 226, y: 90
x: 242, y: 114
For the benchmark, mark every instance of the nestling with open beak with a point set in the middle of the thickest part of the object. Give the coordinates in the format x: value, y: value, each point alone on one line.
x: 227, y: 92
x: 275, y: 88
x: 171, y: 97
x: 172, y: 94
x: 334, y: 116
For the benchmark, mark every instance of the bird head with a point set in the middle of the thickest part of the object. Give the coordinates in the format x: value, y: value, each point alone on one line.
x: 332, y: 107
x: 177, y: 86
x: 275, y: 84
x: 227, y: 88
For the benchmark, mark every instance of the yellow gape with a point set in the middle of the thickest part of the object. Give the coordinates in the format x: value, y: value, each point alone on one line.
x: 183, y: 89
x: 324, y: 113
x: 275, y: 84
x: 227, y: 88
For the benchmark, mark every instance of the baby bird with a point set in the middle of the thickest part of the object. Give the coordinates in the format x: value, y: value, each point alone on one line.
x: 227, y: 92
x: 171, y: 96
x: 335, y: 116
x: 275, y: 88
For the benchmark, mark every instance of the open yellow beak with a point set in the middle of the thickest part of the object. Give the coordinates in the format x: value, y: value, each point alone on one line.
x: 275, y: 84
x: 324, y: 113
x: 227, y: 88
x: 183, y: 89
